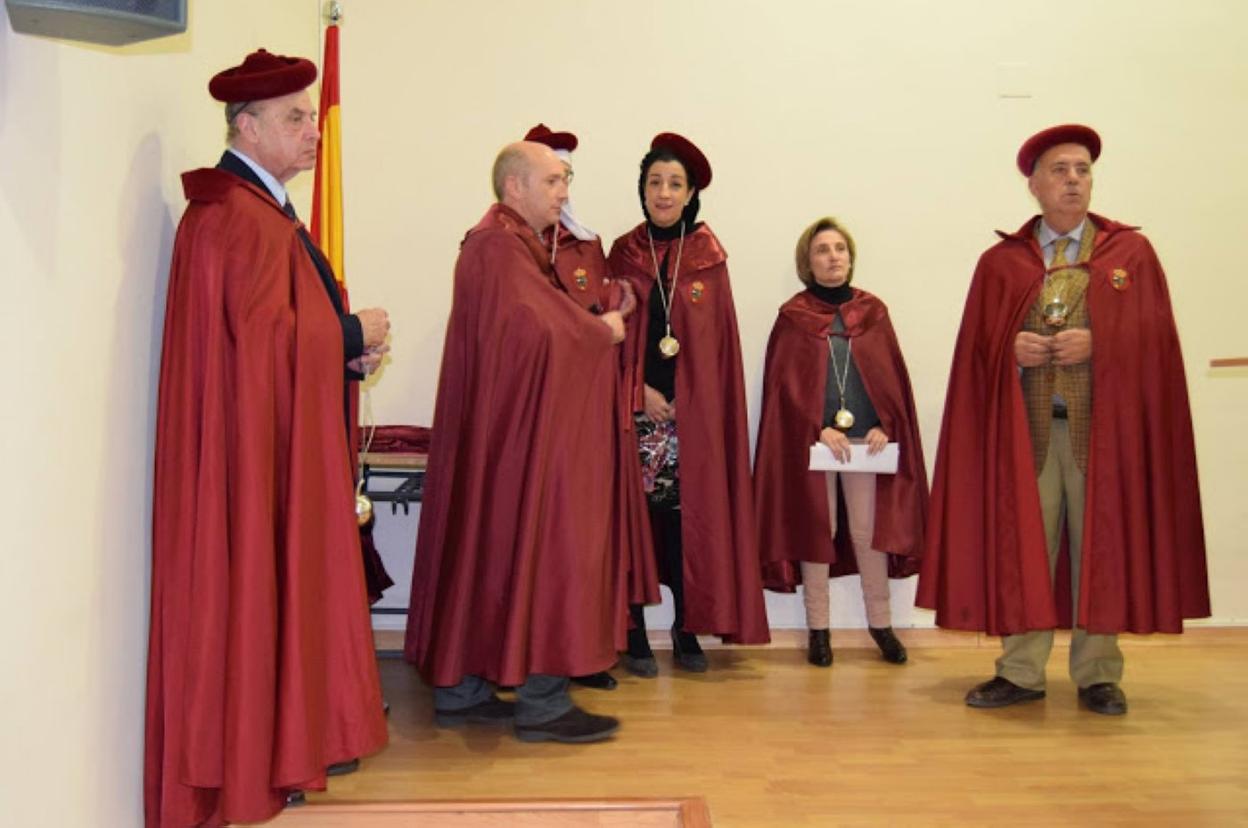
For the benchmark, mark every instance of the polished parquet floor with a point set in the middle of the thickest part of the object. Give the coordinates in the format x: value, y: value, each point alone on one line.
x: 769, y: 741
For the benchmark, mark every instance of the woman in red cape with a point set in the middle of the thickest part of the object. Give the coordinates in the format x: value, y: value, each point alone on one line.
x: 683, y: 369
x: 835, y: 374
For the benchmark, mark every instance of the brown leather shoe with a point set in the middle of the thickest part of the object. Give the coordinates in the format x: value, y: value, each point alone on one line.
x: 819, y: 649
x: 491, y: 711
x: 1000, y: 692
x: 576, y: 726
x: 1105, y: 698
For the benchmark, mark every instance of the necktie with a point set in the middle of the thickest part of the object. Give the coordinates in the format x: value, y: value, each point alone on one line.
x: 1059, y: 248
x: 289, y: 209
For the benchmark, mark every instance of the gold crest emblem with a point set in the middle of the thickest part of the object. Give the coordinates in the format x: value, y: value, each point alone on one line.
x: 1120, y: 279
x: 696, y: 291
x: 581, y: 277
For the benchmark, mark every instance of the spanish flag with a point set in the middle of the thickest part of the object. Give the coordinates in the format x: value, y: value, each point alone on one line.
x: 327, y: 191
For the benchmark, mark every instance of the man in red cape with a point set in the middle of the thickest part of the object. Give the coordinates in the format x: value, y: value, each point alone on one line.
x: 1067, y: 413
x: 261, y: 673
x: 581, y: 268
x: 513, y: 582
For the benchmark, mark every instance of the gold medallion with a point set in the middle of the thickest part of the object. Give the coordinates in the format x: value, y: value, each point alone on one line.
x: 363, y: 508
x: 843, y: 419
x: 668, y: 346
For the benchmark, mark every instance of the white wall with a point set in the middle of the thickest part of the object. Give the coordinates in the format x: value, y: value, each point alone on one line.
x: 884, y: 113
x: 887, y: 114
x: 92, y: 141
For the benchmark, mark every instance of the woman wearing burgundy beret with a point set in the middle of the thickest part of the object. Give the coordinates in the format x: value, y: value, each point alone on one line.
x: 834, y: 374
x: 682, y: 367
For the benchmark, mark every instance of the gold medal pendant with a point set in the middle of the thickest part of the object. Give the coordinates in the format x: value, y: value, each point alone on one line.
x: 1055, y: 313
x: 843, y: 419
x: 363, y: 509
x: 669, y: 346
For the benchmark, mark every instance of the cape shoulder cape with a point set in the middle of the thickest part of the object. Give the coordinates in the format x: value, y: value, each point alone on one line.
x: 791, y: 502
x: 261, y: 670
x: 513, y: 572
x: 723, y: 588
x: 1144, y: 551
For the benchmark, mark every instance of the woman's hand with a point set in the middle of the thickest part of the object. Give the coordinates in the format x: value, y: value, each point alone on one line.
x: 656, y: 406
x: 837, y: 441
x: 876, y: 440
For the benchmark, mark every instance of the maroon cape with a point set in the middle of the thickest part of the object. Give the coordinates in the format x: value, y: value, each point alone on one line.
x: 513, y: 572
x: 723, y: 588
x: 791, y: 502
x: 985, y: 566
x: 261, y: 670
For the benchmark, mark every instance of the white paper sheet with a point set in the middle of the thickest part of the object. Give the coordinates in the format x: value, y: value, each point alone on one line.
x: 885, y: 462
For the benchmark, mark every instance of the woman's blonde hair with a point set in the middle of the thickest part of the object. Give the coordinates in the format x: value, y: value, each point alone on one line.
x: 808, y: 237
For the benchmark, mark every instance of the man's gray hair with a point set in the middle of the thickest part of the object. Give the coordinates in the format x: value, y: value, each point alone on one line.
x: 232, y: 111
x: 512, y: 161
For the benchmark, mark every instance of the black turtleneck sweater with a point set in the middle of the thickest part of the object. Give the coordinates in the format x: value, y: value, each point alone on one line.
x: 856, y: 399
x: 660, y: 373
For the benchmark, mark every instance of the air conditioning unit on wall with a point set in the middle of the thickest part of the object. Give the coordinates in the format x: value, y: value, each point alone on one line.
x: 110, y: 22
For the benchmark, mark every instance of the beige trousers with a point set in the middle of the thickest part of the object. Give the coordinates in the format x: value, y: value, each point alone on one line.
x: 859, y: 489
x: 1093, y: 658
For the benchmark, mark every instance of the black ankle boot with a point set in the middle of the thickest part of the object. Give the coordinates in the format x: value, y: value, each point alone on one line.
x: 687, y: 652
x: 819, y: 651
x: 890, y: 648
x: 639, y: 660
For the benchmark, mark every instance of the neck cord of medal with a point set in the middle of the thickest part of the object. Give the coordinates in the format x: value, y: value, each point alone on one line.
x: 844, y: 418
x: 668, y: 345
x: 364, y: 503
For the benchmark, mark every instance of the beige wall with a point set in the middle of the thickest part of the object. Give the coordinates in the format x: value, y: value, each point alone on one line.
x: 887, y: 114
x: 92, y: 141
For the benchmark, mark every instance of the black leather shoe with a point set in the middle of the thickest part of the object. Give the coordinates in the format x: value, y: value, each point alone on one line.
x: 576, y: 726
x: 688, y: 652
x: 296, y: 798
x: 999, y: 692
x: 343, y: 768
x: 893, y: 651
x: 1105, y: 698
x: 819, y: 650
x: 640, y: 666
x: 598, y: 681
x: 491, y: 711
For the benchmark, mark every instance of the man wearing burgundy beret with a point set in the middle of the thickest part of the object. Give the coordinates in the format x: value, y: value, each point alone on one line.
x: 1065, y: 491
x: 261, y: 671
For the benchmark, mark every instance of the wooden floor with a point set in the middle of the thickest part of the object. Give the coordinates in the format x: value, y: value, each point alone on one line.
x: 768, y: 740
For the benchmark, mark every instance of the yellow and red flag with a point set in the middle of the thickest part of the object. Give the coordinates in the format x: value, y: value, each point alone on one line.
x: 327, y: 190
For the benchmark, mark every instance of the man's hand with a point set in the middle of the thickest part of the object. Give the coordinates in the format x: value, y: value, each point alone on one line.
x: 657, y: 408
x: 1072, y: 346
x: 1032, y: 350
x: 837, y: 441
x: 370, y: 361
x: 628, y: 299
x: 375, y: 323
x: 615, y: 321
x: 876, y: 440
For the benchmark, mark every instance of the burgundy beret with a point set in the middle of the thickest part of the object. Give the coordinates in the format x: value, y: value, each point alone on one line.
x: 555, y: 140
x: 1036, y: 145
x: 262, y: 75
x: 696, y: 165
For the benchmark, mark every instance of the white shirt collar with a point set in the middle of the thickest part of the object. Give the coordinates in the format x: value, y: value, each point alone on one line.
x: 275, y: 187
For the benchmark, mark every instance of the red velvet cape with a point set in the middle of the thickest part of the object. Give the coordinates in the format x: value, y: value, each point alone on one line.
x: 723, y: 587
x: 985, y: 566
x: 514, y: 572
x: 261, y: 670
x: 791, y: 502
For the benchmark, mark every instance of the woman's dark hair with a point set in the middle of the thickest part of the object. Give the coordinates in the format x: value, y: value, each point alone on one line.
x: 690, y: 214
